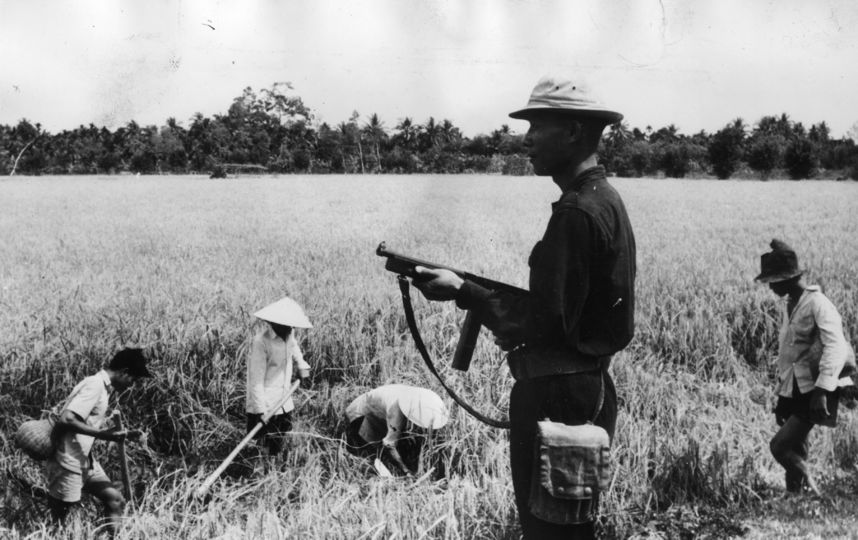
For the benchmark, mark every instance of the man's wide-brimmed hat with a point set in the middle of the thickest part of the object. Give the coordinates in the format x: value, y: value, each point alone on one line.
x: 780, y: 264
x: 286, y: 312
x: 560, y: 95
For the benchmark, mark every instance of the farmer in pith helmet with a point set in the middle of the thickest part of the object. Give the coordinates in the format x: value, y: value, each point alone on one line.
x: 73, y: 467
x: 579, y: 310
x: 394, y: 417
x: 274, y: 356
x: 814, y: 361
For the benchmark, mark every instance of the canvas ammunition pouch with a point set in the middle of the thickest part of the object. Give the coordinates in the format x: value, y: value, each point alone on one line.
x: 572, y: 468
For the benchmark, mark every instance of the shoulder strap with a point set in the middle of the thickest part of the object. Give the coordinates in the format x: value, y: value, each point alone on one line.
x: 404, y: 286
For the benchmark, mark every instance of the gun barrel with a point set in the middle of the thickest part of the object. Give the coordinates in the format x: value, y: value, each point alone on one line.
x: 403, y: 264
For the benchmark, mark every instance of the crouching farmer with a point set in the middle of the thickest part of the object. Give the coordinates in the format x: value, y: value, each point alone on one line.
x: 73, y: 468
x: 812, y: 355
x: 394, y: 419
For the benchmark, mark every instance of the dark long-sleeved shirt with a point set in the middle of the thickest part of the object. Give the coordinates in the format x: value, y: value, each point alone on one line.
x: 582, y: 273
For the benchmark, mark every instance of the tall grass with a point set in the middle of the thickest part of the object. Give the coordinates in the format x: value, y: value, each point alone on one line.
x: 179, y: 264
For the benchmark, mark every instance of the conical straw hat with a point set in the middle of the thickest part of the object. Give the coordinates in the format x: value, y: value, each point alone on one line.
x: 286, y: 312
x: 424, y: 408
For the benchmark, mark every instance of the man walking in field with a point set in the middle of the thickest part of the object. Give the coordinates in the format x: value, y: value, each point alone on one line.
x: 73, y: 467
x: 812, y: 354
x: 579, y: 310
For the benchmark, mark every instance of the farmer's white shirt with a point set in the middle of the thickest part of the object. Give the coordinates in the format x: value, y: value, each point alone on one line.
x: 89, y: 400
x: 269, y: 371
x: 383, y: 418
x: 812, y: 348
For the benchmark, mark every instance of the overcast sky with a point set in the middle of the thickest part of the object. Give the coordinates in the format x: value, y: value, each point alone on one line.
x: 697, y: 64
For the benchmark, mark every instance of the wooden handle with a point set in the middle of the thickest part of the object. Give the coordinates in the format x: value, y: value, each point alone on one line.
x: 123, y: 459
x: 247, y: 438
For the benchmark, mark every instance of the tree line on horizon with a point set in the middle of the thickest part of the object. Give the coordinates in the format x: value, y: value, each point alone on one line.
x: 274, y: 131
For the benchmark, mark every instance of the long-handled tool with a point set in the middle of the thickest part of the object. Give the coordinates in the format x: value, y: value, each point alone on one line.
x: 123, y: 459
x: 247, y: 438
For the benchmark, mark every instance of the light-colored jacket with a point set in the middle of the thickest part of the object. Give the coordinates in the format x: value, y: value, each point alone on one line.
x: 269, y: 371
x: 812, y: 348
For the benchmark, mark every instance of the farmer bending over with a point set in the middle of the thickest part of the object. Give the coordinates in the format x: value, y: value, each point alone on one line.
x: 73, y: 467
x: 811, y: 358
x: 394, y: 414
x: 273, y: 354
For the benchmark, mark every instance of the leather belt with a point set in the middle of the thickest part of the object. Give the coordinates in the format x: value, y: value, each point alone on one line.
x: 529, y: 363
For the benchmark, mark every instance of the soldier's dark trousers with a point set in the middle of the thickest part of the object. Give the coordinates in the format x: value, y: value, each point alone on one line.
x: 570, y: 399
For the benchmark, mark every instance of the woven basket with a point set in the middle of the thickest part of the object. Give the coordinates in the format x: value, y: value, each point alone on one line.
x: 34, y: 438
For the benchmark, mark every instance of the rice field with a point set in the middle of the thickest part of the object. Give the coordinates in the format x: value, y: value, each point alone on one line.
x: 178, y: 264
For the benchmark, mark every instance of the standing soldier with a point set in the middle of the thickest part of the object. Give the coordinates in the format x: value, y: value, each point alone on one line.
x: 274, y: 355
x: 579, y: 311
x: 812, y: 354
x: 73, y: 468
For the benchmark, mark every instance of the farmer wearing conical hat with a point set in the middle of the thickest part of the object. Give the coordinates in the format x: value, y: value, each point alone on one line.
x: 580, y: 306
x: 72, y: 468
x: 389, y: 414
x: 274, y: 356
x: 812, y: 354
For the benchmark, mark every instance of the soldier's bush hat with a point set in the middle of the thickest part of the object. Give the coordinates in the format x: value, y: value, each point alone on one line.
x: 564, y: 96
x: 286, y: 312
x: 780, y: 264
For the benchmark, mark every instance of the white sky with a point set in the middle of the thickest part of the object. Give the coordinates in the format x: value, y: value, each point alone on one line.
x: 693, y: 63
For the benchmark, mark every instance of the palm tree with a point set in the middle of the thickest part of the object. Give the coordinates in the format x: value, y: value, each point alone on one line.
x: 666, y: 134
x: 618, y: 135
x: 374, y: 130
x: 344, y: 132
x: 449, y: 134
x: 407, y: 133
x: 356, y: 136
x: 429, y: 134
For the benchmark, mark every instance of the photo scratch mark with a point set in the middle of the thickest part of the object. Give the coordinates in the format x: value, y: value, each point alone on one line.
x: 208, y: 23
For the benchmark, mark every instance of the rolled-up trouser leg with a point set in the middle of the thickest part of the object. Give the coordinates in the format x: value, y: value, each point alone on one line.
x: 570, y: 399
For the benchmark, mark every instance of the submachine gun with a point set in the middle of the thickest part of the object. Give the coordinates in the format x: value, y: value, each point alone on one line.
x: 404, y: 266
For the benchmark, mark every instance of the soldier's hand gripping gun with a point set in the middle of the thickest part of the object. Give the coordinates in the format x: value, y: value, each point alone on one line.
x: 404, y: 266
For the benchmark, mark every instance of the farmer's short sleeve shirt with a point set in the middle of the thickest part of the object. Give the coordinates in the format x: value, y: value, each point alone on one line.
x: 88, y: 400
x: 813, y: 349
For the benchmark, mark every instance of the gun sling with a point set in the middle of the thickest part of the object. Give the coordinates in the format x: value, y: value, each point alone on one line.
x: 521, y: 361
x: 404, y: 286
